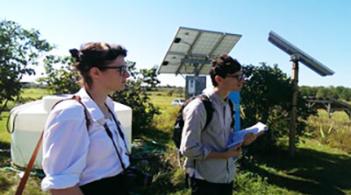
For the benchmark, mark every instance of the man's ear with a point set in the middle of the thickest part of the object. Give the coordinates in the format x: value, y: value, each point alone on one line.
x: 218, y: 79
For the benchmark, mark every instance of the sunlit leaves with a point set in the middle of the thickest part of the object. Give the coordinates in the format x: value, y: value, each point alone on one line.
x: 20, y: 51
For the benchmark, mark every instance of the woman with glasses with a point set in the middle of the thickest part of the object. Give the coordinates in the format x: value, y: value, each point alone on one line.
x: 84, y: 150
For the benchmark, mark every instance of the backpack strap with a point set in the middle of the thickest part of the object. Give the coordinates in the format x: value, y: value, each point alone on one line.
x: 23, y: 181
x: 209, y: 109
x: 209, y: 113
x: 232, y: 112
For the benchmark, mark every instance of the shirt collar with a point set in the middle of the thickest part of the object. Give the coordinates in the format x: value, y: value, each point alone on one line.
x: 215, y: 97
x: 93, y: 109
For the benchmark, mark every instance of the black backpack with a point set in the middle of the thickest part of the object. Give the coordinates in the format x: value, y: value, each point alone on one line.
x: 179, y: 123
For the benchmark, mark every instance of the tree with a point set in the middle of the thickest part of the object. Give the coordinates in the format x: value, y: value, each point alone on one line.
x: 137, y: 98
x: 20, y: 50
x: 150, y: 78
x: 266, y: 97
x: 63, y: 80
x: 307, y: 91
x: 323, y: 92
x: 339, y: 92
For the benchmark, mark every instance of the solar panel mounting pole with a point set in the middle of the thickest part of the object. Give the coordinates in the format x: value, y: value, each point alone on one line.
x: 297, y: 56
x: 295, y: 79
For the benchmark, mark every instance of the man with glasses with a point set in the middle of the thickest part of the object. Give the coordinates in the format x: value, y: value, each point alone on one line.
x: 209, y: 164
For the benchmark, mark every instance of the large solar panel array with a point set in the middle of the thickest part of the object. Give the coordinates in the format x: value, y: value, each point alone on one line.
x: 192, y: 50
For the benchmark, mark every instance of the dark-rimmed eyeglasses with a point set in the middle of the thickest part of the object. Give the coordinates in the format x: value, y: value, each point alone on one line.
x: 123, y: 69
x: 239, y: 77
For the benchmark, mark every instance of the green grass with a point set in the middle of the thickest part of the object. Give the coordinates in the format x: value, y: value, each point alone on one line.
x: 34, y: 93
x: 28, y: 94
x: 316, y: 169
x: 165, y: 120
x: 4, y: 135
x: 334, y: 131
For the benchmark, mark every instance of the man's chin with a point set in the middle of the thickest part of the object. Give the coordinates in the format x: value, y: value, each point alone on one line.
x: 237, y: 89
x: 125, y: 86
x: 120, y: 88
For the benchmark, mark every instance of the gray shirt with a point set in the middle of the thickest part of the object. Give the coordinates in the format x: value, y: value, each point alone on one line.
x: 198, y: 143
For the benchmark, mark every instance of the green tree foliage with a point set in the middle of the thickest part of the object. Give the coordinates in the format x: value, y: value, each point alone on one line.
x: 20, y: 50
x: 267, y: 97
x: 136, y: 97
x: 150, y: 78
x: 339, y: 92
x: 64, y: 80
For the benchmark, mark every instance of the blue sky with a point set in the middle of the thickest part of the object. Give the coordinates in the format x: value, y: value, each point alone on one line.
x: 146, y: 28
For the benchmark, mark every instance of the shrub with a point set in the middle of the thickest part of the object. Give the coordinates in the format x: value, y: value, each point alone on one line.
x: 261, y: 102
x: 143, y: 110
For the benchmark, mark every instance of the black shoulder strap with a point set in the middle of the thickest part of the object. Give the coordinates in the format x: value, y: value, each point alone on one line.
x: 232, y: 112
x: 118, y: 125
x: 209, y: 109
x: 109, y: 133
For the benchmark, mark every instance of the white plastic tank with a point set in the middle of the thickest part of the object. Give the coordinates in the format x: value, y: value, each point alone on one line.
x: 27, y: 121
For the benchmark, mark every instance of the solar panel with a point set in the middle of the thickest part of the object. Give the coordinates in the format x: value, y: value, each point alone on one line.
x: 192, y: 49
x: 301, y: 56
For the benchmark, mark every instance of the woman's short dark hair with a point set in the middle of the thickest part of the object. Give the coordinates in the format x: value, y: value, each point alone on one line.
x: 95, y: 54
x: 222, y: 66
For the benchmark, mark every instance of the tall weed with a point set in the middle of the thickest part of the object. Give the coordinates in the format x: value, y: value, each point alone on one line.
x: 334, y: 131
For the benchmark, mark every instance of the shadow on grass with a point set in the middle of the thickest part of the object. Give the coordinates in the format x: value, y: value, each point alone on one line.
x: 152, y: 154
x: 5, y: 155
x: 5, y: 160
x: 151, y: 141
x: 309, y: 172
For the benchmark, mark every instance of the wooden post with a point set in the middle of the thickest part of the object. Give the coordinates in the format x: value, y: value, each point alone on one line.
x: 292, y: 132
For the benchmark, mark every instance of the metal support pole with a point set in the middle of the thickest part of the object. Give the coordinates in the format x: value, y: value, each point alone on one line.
x: 329, y: 109
x: 292, y: 132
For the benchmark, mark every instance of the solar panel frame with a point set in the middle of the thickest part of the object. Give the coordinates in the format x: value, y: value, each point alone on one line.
x: 192, y: 49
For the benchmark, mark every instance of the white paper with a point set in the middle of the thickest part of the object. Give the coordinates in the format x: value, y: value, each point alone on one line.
x: 238, y: 136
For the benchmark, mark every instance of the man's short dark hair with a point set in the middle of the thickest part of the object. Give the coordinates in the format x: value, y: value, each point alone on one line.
x: 222, y: 66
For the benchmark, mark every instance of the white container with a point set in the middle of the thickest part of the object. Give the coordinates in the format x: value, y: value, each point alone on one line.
x: 27, y: 121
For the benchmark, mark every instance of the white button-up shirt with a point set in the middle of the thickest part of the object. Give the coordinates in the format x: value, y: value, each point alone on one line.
x: 74, y: 155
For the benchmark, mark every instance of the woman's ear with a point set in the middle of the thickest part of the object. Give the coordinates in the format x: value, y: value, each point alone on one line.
x: 94, y: 72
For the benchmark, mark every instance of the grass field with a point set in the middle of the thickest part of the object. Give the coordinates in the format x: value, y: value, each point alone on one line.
x: 334, y: 131
x: 34, y: 93
x: 317, y: 167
